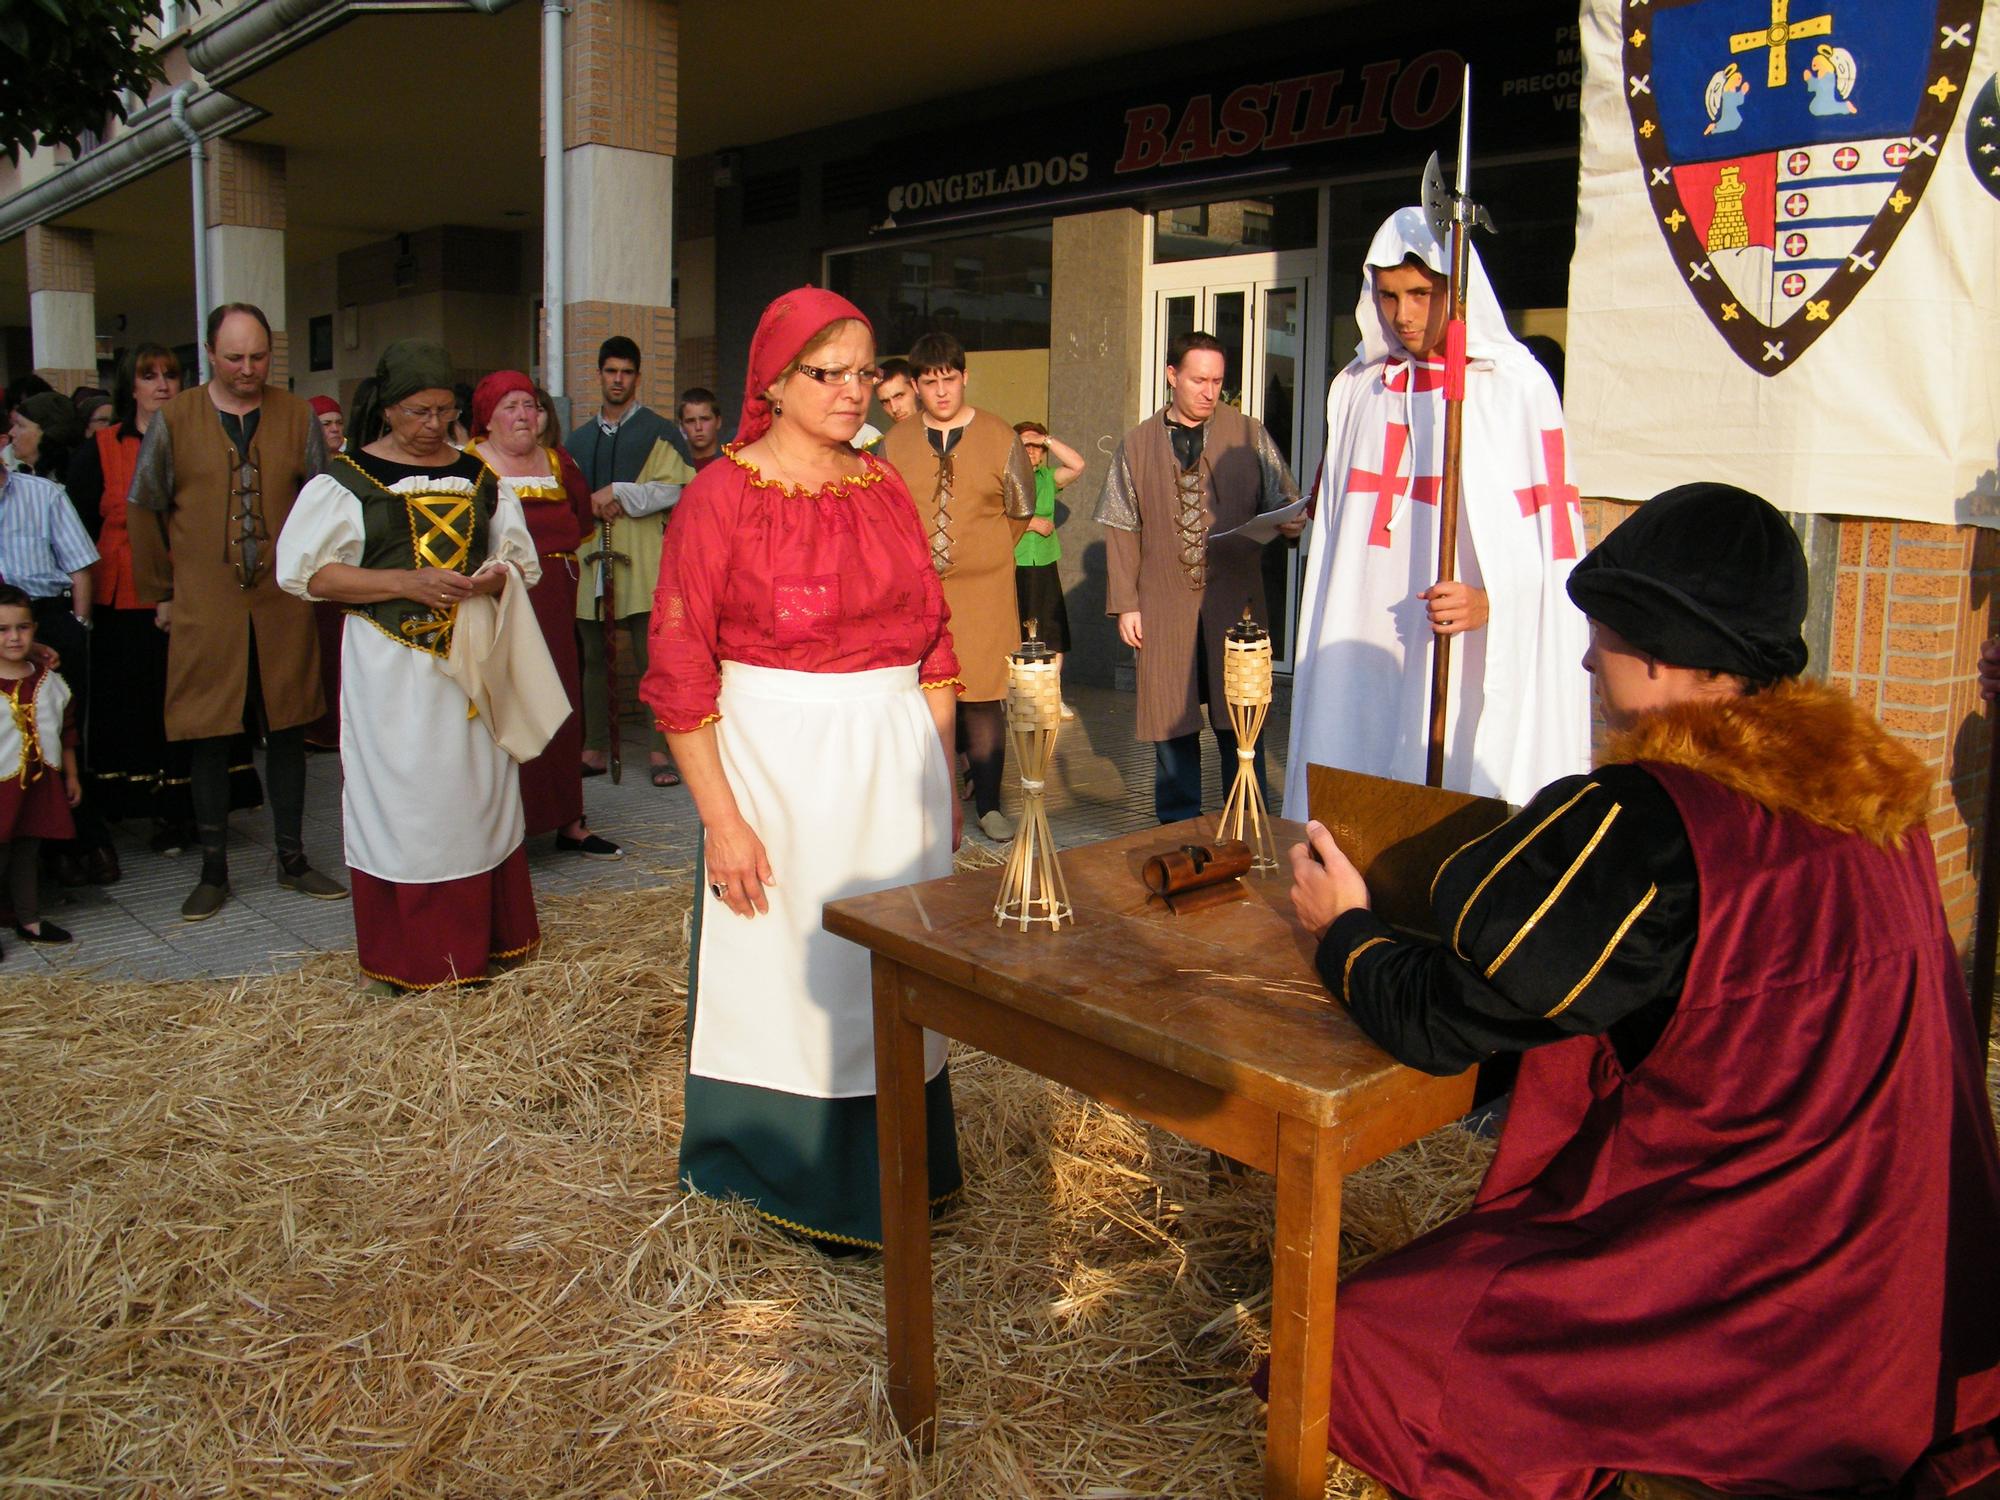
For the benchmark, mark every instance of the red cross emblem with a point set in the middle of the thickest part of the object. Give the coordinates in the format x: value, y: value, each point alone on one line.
x: 1793, y: 284
x: 1896, y: 153
x: 1798, y: 163
x: 1797, y: 204
x: 1795, y: 244
x: 1391, y: 484
x: 1846, y: 158
x: 1430, y: 377
x: 1554, y: 492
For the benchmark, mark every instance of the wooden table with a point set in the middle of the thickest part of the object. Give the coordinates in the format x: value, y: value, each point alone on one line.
x: 1210, y: 1025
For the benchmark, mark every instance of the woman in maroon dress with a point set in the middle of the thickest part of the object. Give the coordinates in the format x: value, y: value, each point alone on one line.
x: 506, y: 418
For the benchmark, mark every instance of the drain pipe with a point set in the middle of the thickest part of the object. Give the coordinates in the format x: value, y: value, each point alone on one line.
x: 198, y: 161
x: 554, y: 219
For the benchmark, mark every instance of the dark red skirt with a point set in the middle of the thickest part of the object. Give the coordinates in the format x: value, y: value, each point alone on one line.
x: 447, y: 931
x: 40, y: 810
x: 552, y: 783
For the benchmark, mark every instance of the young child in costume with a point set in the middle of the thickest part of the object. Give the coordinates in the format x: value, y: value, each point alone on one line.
x: 34, y: 800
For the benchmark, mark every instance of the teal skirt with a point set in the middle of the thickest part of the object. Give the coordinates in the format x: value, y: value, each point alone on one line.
x: 808, y: 1165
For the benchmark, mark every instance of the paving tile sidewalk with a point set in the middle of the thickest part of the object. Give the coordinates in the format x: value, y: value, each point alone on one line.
x: 1101, y: 786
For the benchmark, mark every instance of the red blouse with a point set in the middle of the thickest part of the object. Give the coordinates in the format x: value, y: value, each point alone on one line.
x: 838, y: 580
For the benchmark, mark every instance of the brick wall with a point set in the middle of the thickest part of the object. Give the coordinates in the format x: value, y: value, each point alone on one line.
x: 246, y: 184
x: 589, y: 324
x: 622, y: 59
x: 60, y: 260
x: 1912, y: 603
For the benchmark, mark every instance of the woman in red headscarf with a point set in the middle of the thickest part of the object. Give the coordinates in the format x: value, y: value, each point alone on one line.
x: 804, y: 676
x: 506, y: 421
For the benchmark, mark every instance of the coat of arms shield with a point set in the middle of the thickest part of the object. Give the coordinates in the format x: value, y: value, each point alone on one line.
x: 1785, y: 145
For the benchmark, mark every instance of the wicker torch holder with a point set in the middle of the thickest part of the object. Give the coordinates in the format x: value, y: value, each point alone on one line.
x: 1032, y: 887
x: 1246, y: 688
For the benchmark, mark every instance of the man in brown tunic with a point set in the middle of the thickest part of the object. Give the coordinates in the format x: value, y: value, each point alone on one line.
x: 1194, y: 467
x: 975, y: 494
x: 216, y: 478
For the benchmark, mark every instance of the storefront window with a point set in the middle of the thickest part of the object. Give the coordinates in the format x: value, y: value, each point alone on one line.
x: 1237, y: 226
x: 992, y: 290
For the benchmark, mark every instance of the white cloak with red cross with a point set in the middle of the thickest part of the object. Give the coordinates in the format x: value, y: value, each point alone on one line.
x: 1519, y: 712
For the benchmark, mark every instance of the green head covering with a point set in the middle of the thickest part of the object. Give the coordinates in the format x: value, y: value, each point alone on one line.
x: 411, y: 365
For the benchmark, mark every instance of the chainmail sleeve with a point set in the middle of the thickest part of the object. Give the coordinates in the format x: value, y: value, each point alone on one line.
x: 150, y: 498
x: 1279, y: 487
x: 1118, y: 505
x: 1017, y: 485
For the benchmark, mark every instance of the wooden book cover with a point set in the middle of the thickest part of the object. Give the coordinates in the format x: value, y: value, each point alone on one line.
x: 1398, y: 834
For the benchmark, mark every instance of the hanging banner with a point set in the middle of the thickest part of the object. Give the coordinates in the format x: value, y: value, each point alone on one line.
x: 1787, y: 268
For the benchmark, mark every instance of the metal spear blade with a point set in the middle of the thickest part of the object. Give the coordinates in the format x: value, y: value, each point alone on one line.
x: 1437, y: 199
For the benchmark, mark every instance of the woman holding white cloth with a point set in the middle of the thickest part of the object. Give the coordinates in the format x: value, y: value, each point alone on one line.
x: 803, y: 674
x: 431, y: 805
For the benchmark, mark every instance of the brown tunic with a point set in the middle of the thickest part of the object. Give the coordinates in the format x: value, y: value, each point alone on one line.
x: 974, y: 503
x: 185, y: 548
x: 1182, y: 582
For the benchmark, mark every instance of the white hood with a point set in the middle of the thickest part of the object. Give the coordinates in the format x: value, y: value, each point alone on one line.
x: 1407, y: 232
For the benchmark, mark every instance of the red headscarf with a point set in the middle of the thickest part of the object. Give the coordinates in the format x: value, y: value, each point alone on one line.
x: 788, y: 326
x: 325, y: 406
x: 491, y: 391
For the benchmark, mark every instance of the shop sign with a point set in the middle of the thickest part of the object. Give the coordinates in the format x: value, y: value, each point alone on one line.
x: 1372, y: 102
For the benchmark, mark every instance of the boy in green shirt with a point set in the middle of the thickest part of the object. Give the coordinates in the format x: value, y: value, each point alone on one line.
x: 1037, y: 581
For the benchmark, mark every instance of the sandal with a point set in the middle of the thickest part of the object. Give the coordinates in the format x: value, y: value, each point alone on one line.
x: 666, y: 776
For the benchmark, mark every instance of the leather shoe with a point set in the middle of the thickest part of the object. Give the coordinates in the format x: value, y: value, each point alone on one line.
x: 997, y: 826
x: 50, y: 933
x: 590, y: 846
x: 203, y: 902
x: 309, y: 882
x: 100, y: 865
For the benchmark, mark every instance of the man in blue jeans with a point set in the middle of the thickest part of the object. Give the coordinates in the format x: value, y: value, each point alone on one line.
x: 1196, y: 468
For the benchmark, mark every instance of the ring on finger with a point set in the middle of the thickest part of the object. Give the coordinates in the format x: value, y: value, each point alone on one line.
x: 718, y: 889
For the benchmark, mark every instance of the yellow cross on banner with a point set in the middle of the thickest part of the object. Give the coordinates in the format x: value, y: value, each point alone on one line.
x: 1816, y: 312
x: 1675, y: 219
x: 1944, y: 88
x: 1646, y: 128
x: 1782, y: 30
x: 1731, y: 312
x: 1638, y: 38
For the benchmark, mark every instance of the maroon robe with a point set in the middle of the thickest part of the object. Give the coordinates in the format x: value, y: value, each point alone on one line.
x: 1763, y: 1259
x: 552, y: 783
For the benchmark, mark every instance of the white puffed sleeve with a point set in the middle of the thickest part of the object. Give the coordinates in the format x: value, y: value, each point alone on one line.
x: 324, y: 527
x: 508, y: 540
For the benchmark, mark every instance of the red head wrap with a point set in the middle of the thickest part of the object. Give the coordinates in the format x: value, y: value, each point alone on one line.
x: 787, y: 327
x: 491, y: 391
x: 325, y: 406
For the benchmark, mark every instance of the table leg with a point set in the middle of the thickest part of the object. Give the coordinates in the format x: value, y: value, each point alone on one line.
x: 906, y: 1218
x: 1305, y: 1265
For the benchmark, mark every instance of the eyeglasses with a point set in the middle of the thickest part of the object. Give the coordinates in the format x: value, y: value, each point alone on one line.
x: 444, y: 416
x: 868, y: 375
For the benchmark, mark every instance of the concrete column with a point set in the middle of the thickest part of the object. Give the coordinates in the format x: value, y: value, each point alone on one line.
x: 62, y: 305
x: 246, y: 236
x: 1097, y: 320
x: 621, y: 60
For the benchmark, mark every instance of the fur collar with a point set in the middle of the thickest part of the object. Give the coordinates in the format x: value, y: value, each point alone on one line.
x: 1800, y: 747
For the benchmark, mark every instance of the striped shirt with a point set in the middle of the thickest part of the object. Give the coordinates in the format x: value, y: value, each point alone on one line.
x: 42, y: 541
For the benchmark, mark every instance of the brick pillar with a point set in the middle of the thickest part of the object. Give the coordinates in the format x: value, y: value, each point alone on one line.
x: 621, y: 59
x: 246, y: 236
x: 1912, y: 604
x: 62, y: 305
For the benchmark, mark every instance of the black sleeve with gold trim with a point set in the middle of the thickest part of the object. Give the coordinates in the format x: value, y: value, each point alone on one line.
x: 1577, y: 916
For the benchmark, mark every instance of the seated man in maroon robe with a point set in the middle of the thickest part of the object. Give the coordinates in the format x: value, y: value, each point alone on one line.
x: 1742, y: 1221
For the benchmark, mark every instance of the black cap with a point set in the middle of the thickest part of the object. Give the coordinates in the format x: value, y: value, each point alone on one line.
x: 1706, y: 576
